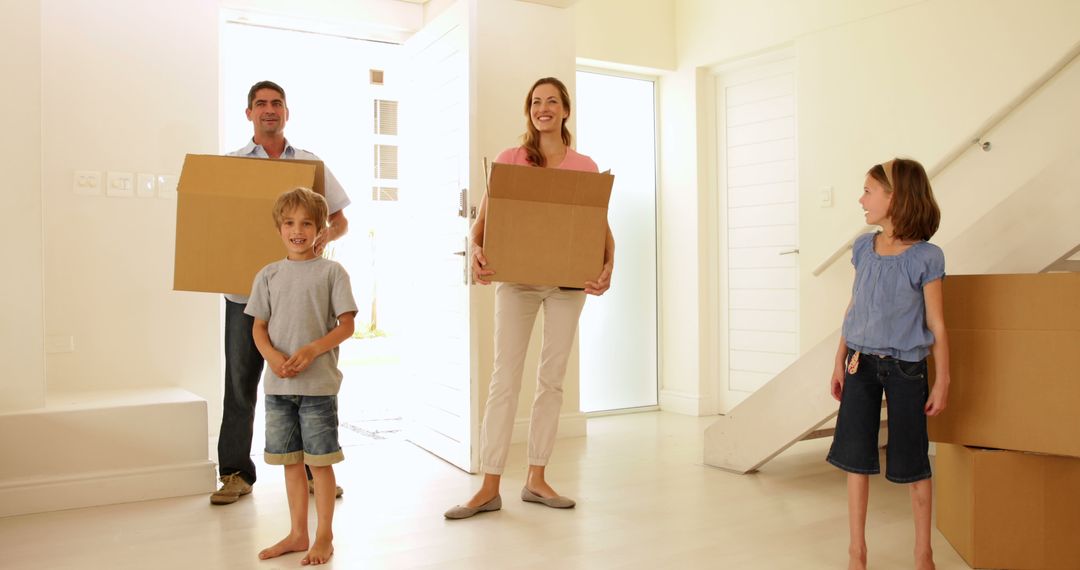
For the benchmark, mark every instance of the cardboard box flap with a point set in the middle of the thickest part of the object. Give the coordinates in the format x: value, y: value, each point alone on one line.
x: 550, y: 185
x: 224, y: 225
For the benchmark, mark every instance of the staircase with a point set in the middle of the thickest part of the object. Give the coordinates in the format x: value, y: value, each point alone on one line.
x: 1012, y: 209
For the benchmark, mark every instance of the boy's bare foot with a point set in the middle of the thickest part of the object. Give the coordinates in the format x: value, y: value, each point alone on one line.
x: 925, y: 561
x: 320, y: 552
x: 857, y: 558
x: 291, y: 543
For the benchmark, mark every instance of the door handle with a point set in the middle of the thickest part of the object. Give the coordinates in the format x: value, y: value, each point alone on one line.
x: 789, y: 252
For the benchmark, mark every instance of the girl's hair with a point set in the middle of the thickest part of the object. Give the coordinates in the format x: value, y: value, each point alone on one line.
x: 311, y: 202
x: 531, y: 138
x: 914, y: 212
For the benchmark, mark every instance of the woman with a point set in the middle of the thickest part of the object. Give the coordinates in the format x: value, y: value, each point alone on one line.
x: 546, y: 144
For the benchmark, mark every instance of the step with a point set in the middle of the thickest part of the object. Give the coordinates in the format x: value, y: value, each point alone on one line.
x: 104, y: 447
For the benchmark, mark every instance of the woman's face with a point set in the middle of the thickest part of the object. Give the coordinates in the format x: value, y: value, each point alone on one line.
x: 546, y: 109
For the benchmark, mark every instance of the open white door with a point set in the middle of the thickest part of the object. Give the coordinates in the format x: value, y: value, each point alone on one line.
x: 434, y: 158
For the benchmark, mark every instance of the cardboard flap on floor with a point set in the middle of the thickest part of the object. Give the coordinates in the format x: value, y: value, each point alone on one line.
x: 546, y: 226
x: 224, y: 226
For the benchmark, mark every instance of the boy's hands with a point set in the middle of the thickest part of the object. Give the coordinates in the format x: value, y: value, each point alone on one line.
x: 300, y: 360
x: 278, y: 363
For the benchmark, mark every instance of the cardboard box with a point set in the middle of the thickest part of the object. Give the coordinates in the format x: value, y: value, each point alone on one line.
x: 1007, y: 509
x: 546, y: 226
x: 224, y: 225
x: 1013, y: 342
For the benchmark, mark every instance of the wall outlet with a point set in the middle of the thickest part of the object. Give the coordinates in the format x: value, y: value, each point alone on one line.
x: 55, y: 344
x: 144, y: 185
x: 87, y: 183
x: 166, y: 184
x: 120, y: 184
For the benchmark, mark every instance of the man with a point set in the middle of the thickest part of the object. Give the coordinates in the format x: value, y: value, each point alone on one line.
x: 268, y: 113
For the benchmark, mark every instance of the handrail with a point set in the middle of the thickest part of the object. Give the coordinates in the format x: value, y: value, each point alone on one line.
x: 977, y: 139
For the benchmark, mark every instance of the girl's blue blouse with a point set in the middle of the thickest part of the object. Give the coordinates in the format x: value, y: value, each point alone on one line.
x: 888, y: 312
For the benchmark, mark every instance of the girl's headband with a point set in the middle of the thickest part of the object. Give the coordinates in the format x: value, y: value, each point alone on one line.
x: 887, y: 166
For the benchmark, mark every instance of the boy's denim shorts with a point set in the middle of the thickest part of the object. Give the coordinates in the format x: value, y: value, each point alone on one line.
x: 855, y: 444
x: 302, y: 429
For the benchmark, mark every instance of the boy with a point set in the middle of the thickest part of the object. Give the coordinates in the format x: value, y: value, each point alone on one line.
x: 303, y: 309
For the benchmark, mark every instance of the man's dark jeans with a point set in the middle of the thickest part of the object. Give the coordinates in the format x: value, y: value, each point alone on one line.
x: 243, y: 369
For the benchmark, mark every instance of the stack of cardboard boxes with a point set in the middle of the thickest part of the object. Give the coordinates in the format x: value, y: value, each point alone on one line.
x: 1008, y: 445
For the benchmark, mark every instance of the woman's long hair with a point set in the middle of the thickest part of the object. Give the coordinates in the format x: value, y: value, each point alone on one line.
x: 531, y: 139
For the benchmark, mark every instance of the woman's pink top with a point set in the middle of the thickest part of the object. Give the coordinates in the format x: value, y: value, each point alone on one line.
x: 573, y: 160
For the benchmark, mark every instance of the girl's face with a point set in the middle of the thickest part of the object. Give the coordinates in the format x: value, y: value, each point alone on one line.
x: 298, y: 232
x: 546, y: 109
x: 875, y: 201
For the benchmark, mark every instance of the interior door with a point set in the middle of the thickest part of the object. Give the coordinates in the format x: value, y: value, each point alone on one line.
x: 757, y: 132
x: 435, y: 151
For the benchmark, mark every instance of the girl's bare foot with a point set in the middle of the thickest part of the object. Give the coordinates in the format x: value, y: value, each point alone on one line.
x: 857, y: 558
x: 320, y: 552
x: 291, y: 543
x: 925, y: 561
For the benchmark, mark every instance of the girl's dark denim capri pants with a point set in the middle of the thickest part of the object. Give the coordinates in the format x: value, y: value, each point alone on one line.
x: 855, y: 444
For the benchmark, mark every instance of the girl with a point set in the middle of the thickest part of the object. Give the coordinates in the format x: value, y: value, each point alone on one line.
x: 894, y: 320
x: 546, y: 144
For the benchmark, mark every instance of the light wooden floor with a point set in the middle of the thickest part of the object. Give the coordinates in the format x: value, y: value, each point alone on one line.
x: 644, y: 501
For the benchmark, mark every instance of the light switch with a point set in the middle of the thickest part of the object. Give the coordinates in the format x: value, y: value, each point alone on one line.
x: 87, y: 183
x: 166, y: 184
x: 55, y: 344
x: 825, y: 197
x: 144, y: 185
x: 120, y: 184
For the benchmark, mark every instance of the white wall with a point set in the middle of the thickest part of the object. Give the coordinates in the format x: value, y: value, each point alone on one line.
x: 638, y: 33
x: 127, y: 86
x: 21, y: 328
x: 876, y: 79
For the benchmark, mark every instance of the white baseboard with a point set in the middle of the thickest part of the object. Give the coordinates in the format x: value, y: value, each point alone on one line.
x: 37, y: 495
x: 686, y: 403
x: 571, y: 424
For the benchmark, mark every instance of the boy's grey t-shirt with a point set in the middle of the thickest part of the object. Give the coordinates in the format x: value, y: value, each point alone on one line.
x: 302, y: 300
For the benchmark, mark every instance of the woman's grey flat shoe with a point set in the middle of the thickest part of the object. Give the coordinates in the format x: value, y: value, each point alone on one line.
x: 559, y: 502
x: 463, y: 512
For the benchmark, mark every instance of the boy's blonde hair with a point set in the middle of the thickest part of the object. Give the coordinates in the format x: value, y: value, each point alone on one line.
x: 300, y: 197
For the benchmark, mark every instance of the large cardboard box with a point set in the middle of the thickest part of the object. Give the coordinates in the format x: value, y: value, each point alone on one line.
x: 546, y: 226
x: 224, y: 227
x: 1013, y: 343
x: 1007, y: 509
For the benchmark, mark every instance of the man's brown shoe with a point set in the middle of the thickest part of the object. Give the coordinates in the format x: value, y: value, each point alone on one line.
x: 232, y: 488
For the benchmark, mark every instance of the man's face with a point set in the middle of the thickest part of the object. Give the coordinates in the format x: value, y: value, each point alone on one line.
x: 268, y: 112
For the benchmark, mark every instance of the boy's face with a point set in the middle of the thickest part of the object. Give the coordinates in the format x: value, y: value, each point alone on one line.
x: 298, y: 232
